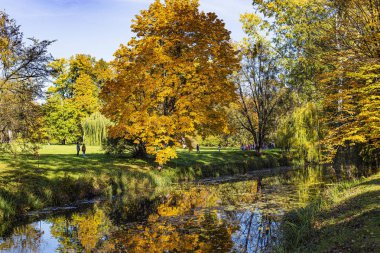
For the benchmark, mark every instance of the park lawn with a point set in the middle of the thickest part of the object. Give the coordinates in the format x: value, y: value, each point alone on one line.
x: 57, y: 176
x: 347, y: 219
x: 60, y: 160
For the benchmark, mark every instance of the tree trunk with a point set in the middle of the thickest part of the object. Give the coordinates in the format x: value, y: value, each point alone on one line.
x: 140, y: 151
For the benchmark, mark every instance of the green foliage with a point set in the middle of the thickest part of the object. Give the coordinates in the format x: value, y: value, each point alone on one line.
x: 23, y: 72
x: 117, y: 146
x: 73, y: 97
x: 331, y: 47
x: 300, y: 132
x: 61, y: 120
x: 95, y: 129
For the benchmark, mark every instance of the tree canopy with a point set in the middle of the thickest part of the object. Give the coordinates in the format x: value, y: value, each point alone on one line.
x: 172, y: 78
x: 23, y: 71
x: 74, y: 95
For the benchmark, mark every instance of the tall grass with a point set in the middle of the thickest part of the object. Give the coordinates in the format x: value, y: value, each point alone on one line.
x: 298, y: 226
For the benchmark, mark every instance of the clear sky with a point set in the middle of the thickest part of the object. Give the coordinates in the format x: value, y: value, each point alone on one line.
x: 98, y: 27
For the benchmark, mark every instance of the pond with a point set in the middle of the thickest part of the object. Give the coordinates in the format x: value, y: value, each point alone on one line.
x: 234, y: 214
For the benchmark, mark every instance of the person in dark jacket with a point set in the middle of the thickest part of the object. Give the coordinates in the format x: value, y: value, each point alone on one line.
x: 78, y: 148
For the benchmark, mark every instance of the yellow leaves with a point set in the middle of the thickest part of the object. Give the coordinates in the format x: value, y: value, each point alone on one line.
x: 355, y: 139
x: 170, y: 81
x: 250, y: 22
x: 166, y: 154
x: 86, y: 95
x: 359, y: 106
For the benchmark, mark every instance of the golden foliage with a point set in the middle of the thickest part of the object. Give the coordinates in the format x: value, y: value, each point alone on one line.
x: 172, y: 79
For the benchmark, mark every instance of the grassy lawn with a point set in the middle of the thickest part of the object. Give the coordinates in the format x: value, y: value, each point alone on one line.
x: 346, y: 219
x: 60, y: 160
x: 57, y: 176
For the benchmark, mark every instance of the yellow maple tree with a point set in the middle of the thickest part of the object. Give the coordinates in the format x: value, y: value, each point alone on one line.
x: 171, y: 79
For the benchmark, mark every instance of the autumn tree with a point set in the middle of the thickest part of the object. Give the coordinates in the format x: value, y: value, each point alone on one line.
x: 23, y: 71
x: 335, y: 43
x: 259, y: 86
x: 172, y: 78
x: 352, y: 86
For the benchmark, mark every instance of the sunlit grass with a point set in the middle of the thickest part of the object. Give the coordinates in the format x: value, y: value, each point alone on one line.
x: 345, y: 218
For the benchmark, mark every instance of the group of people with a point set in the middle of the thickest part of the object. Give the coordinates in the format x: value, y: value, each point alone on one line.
x: 253, y: 146
x: 247, y: 147
x: 83, y: 149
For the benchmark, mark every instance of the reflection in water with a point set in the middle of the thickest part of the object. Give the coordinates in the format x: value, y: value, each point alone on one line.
x: 226, y: 217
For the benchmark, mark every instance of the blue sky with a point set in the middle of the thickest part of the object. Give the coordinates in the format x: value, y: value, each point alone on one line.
x: 98, y: 27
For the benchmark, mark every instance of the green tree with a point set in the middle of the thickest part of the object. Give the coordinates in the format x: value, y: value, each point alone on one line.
x: 75, y: 93
x: 61, y: 119
x: 300, y: 131
x: 95, y: 129
x: 260, y: 88
x: 23, y: 72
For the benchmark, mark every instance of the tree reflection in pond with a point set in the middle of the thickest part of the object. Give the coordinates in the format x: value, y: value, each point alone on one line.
x: 80, y: 232
x: 225, y: 217
x: 24, y: 239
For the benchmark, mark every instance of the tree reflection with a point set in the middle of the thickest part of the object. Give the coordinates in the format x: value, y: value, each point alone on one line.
x: 24, y: 239
x: 81, y: 232
x: 224, y: 217
x: 203, y: 232
x: 257, y: 233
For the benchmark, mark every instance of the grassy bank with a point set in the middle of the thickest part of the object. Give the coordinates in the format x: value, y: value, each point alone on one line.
x: 344, y: 219
x: 58, y: 177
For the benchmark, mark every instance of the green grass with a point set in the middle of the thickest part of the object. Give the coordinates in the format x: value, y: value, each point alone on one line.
x: 344, y: 219
x: 57, y: 176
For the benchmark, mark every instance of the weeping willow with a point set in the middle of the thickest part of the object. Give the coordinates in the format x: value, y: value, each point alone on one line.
x: 95, y: 129
x: 300, y: 131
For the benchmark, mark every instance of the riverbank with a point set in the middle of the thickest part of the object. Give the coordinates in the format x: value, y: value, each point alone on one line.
x: 344, y: 219
x: 58, y: 177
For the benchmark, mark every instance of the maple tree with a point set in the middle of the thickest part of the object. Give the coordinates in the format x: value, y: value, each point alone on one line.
x: 171, y: 79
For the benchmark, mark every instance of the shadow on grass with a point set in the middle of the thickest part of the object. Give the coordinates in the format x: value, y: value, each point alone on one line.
x: 54, y: 180
x: 371, y: 182
x: 355, y: 229
x: 350, y: 226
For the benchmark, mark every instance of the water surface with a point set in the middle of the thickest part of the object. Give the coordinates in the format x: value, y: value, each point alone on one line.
x: 238, y: 214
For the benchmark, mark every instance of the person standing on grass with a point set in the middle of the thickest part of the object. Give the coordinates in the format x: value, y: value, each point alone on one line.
x: 84, y: 150
x: 219, y: 147
x: 197, y: 148
x: 78, y: 148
